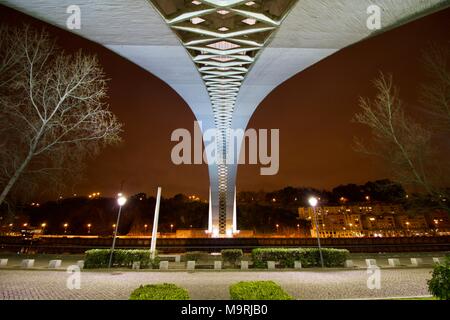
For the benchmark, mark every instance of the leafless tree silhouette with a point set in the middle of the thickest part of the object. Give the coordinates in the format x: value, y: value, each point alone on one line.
x: 52, y: 112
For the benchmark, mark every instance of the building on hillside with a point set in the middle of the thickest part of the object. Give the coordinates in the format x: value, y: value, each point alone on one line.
x: 374, y: 220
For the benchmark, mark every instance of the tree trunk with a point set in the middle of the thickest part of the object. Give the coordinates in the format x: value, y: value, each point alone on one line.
x: 14, y: 178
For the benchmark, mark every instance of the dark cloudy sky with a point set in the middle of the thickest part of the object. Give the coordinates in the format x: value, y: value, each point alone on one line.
x: 313, y: 111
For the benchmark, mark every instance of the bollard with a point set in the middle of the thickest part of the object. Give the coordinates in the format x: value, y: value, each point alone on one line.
x: 297, y: 264
x: 217, y: 265
x: 416, y: 261
x: 244, y: 265
x: 136, y: 265
x: 80, y: 264
x: 27, y: 263
x: 371, y: 262
x: 3, y: 262
x: 393, y: 262
x: 348, y: 264
x: 271, y: 265
x: 164, y: 265
x: 53, y: 264
x: 191, y: 265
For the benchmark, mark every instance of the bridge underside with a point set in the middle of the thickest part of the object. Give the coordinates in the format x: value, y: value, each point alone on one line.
x: 225, y: 56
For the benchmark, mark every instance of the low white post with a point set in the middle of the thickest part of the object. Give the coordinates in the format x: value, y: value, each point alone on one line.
x: 80, y: 264
x: 178, y: 258
x: 3, y: 262
x: 217, y: 265
x: 191, y: 265
x: 136, y: 265
x: 416, y: 261
x: 371, y: 262
x: 27, y: 263
x: 297, y: 264
x: 348, y: 264
x: 271, y: 265
x: 244, y: 265
x: 393, y: 262
x: 53, y: 264
x: 435, y: 260
x: 163, y: 265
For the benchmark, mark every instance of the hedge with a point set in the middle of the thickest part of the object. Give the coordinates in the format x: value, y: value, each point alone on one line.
x: 165, y: 291
x: 99, y: 258
x: 439, y: 284
x: 231, y: 255
x: 258, y: 290
x: 309, y: 257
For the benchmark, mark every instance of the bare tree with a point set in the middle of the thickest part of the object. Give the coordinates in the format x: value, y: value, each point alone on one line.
x: 436, y: 93
x: 53, y: 115
x: 401, y: 141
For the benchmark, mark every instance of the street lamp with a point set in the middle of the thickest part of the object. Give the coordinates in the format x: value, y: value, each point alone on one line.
x: 43, y: 225
x: 313, y: 203
x: 121, y: 200
x: 89, y: 227
x: 277, y: 226
x: 65, y: 225
x: 171, y: 228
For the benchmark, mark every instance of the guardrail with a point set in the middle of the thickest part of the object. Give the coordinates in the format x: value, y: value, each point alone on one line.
x: 75, y: 244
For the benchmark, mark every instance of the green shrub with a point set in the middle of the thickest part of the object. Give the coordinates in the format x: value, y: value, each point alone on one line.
x: 165, y: 291
x: 258, y: 290
x: 309, y: 257
x: 439, y: 284
x: 195, y: 255
x: 99, y: 258
x: 232, y: 255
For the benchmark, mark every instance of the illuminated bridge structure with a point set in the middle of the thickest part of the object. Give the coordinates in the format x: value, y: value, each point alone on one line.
x: 223, y: 57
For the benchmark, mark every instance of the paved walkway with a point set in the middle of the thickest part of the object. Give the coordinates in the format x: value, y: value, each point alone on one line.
x: 310, y: 284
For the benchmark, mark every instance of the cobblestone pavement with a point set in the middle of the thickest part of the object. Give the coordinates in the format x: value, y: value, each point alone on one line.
x: 311, y: 284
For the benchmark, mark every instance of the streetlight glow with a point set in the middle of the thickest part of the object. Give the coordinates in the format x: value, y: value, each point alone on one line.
x: 121, y: 200
x: 313, y: 201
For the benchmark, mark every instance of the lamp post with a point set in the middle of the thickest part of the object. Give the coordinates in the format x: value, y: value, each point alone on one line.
x: 65, y: 225
x: 171, y: 227
x: 89, y: 227
x: 120, y: 201
x: 313, y: 203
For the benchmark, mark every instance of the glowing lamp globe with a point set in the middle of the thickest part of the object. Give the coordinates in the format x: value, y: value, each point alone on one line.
x: 313, y: 201
x: 121, y: 200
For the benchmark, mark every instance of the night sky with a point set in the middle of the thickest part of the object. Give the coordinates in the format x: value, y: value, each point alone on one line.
x: 313, y: 111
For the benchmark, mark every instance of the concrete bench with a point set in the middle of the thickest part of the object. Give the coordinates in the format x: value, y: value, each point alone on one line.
x: 136, y: 265
x: 416, y: 261
x: 297, y: 264
x: 27, y: 263
x: 244, y: 265
x: 349, y: 264
x: 164, y: 265
x: 176, y: 257
x: 271, y: 265
x: 217, y: 265
x: 53, y: 264
x: 371, y: 262
x: 3, y: 262
x: 394, y: 262
x: 190, y: 265
x: 80, y: 264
